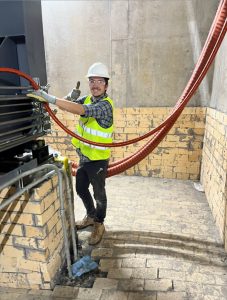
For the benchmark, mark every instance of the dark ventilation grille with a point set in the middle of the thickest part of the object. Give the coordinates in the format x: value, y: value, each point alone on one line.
x: 21, y: 120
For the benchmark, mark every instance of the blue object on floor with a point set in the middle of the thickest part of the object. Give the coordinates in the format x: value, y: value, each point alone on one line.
x: 84, y: 265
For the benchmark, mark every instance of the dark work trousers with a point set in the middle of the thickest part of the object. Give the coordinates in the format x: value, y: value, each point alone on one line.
x: 93, y: 173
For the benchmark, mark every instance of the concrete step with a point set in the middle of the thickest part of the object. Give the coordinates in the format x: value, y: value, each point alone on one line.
x: 121, y: 245
x: 107, y: 289
x: 68, y: 293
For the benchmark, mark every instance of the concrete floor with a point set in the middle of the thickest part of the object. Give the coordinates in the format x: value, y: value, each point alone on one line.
x: 161, y: 242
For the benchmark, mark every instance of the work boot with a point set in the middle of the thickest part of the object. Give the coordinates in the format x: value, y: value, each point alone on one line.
x: 87, y: 221
x: 97, y: 233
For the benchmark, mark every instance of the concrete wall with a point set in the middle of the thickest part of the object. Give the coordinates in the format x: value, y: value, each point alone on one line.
x: 219, y: 91
x: 148, y: 46
x: 214, y: 158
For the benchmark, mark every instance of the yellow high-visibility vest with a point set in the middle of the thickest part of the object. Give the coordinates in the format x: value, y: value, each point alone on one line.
x: 89, y: 129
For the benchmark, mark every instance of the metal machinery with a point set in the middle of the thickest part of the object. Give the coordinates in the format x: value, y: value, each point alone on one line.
x: 22, y: 121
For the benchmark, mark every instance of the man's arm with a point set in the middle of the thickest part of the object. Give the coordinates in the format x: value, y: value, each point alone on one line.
x: 69, y: 106
x: 63, y: 104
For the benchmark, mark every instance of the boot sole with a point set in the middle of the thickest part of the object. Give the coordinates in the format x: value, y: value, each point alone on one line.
x: 82, y: 227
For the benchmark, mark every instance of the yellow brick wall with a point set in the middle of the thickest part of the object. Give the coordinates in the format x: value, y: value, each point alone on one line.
x: 31, y: 240
x: 214, y: 167
x: 177, y: 156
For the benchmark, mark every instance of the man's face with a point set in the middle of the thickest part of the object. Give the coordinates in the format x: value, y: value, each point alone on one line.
x: 97, y: 86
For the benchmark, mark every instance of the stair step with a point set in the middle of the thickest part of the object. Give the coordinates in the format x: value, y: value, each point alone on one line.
x: 133, y: 273
x: 134, y: 285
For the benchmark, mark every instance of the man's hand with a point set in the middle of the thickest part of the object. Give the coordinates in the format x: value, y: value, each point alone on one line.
x: 42, y: 96
x: 74, y: 94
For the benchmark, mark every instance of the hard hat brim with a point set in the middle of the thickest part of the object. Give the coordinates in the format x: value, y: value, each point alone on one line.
x: 98, y: 75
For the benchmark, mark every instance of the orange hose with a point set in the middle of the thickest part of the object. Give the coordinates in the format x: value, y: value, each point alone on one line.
x: 126, y: 163
x: 213, y: 42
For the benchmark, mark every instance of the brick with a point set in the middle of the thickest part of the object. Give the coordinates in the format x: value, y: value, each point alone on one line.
x: 27, y: 207
x: 14, y: 280
x: 5, y: 217
x: 144, y: 273
x: 8, y: 264
x: 34, y: 278
x: 53, y: 221
x: 171, y: 274
x: 54, y: 263
x: 41, y: 220
x: 36, y: 232
x: 105, y: 283
x: 40, y: 292
x: 51, y: 242
x: 158, y: 285
x: 54, y: 180
x: 12, y: 290
x: 200, y: 277
x: 13, y: 229
x: 89, y: 294
x: 114, y: 295
x: 41, y: 191
x: 36, y: 255
x: 134, y: 263
x: 58, y: 226
x: 6, y: 240
x: 21, y: 218
x: 142, y: 296
x: 11, y: 251
x: 26, y: 266
x: 119, y: 273
x: 65, y: 291
x: 106, y: 264
x: 47, y: 215
x: 25, y: 242
x: 7, y: 192
x: 46, y: 277
x: 131, y: 285
x: 172, y: 296
x: 49, y: 199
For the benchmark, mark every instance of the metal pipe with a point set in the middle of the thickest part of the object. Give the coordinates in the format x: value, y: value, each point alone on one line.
x: 15, y: 87
x: 62, y: 214
x: 25, y: 189
x: 71, y: 213
x: 14, y: 97
x: 15, y: 112
x: 21, y: 120
x: 34, y: 125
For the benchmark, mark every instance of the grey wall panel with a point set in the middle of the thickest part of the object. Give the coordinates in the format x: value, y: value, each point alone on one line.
x: 149, y: 47
x: 21, y: 22
x: 34, y: 40
x: 11, y: 18
x: 219, y: 91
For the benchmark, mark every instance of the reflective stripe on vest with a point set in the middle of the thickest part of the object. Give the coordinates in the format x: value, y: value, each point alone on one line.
x: 92, y: 146
x: 94, y: 131
x: 89, y: 129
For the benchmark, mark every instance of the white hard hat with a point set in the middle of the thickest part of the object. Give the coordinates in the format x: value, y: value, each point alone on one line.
x: 98, y: 69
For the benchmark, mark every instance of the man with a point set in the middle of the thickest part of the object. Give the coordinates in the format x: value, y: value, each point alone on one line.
x: 95, y: 124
